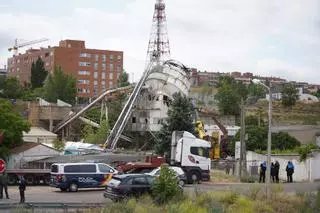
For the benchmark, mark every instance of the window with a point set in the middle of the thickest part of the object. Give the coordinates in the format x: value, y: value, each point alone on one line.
x: 96, y: 57
x: 119, y: 57
x: 95, y: 83
x: 105, y: 169
x: 200, y: 151
x: 18, y: 69
x: 139, y: 181
x: 103, y: 83
x: 110, y: 83
x: 90, y: 168
x: 133, y: 120
x: 104, y: 58
x: 103, y: 66
x: 95, y: 75
x: 95, y: 90
x: 111, y: 67
x: 83, y: 72
x: 150, y: 180
x: 111, y: 75
x: 47, y: 64
x: 103, y: 87
x: 111, y: 57
x: 103, y: 75
x: 118, y: 75
x: 85, y: 55
x: 84, y: 64
x: 119, y: 68
x: 18, y: 61
x: 82, y: 81
x: 96, y: 66
x: 46, y: 54
x: 51, y: 53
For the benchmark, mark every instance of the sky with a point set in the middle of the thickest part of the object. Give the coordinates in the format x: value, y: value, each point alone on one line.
x: 268, y: 38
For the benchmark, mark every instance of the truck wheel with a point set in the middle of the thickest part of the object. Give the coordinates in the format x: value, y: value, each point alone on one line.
x: 73, y: 187
x: 63, y: 189
x: 194, y: 177
x: 12, y: 179
x: 181, y: 182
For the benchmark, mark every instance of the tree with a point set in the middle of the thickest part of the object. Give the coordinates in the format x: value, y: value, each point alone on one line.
x: 11, y: 126
x: 316, y: 94
x: 2, y: 81
x: 256, y: 90
x: 60, y: 86
x: 124, y: 79
x: 38, y: 74
x: 229, y: 95
x: 12, y: 88
x: 257, y: 139
x: 289, y: 95
x: 165, y: 187
x: 179, y: 119
x: 58, y: 145
x: 99, y: 136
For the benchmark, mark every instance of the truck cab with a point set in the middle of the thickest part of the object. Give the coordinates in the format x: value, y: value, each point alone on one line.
x: 192, y: 155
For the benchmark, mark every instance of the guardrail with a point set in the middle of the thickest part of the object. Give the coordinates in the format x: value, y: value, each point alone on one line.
x: 64, y: 207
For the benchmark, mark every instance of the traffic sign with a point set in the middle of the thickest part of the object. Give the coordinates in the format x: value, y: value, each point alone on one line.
x: 2, y: 165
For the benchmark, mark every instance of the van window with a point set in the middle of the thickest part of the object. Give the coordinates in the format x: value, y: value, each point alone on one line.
x: 54, y: 168
x: 91, y: 168
x: 104, y: 168
x: 200, y: 151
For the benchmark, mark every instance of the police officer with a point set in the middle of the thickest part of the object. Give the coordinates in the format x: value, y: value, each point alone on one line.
x: 22, y: 188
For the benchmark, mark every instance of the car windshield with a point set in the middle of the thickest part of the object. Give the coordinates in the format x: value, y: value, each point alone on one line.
x: 115, y: 182
x: 153, y: 172
x: 177, y: 170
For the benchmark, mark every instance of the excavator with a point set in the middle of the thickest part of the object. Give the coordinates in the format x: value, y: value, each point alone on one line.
x: 219, y: 143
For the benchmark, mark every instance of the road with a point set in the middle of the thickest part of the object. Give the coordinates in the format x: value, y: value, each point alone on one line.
x: 48, y: 194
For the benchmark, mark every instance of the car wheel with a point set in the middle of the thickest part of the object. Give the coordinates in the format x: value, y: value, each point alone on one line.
x: 181, y: 183
x: 73, y: 187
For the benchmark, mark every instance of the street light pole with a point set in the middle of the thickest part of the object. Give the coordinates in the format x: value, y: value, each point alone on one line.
x: 269, y: 141
x: 268, y: 171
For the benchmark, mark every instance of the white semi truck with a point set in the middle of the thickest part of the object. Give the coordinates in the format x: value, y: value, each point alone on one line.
x: 192, y: 155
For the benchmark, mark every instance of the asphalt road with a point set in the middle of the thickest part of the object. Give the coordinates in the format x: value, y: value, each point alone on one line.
x: 43, y: 194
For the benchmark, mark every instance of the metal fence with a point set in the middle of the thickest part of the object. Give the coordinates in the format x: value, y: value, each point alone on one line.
x: 48, y: 207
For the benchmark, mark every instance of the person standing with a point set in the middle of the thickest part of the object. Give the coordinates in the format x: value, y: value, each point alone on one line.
x: 273, y: 172
x: 1, y: 186
x: 263, y: 168
x: 5, y: 184
x: 22, y: 188
x: 277, y: 168
x: 290, y: 171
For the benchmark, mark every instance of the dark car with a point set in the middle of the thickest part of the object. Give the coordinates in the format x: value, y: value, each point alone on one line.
x: 128, y: 185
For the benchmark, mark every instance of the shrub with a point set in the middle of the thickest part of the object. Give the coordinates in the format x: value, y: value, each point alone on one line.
x: 165, y: 188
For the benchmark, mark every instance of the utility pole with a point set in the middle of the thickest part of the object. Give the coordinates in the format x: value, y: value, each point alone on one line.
x: 243, y: 150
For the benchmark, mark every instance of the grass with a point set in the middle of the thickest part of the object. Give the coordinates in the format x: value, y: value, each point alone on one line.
x: 223, y: 202
x: 219, y: 176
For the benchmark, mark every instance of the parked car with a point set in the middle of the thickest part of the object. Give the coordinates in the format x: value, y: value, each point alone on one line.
x: 72, y: 176
x: 128, y: 185
x: 182, y: 178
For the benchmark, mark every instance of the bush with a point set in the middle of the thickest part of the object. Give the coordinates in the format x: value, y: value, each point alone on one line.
x: 166, y: 188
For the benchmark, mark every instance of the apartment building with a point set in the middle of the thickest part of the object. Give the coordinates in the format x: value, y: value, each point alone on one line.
x: 95, y: 70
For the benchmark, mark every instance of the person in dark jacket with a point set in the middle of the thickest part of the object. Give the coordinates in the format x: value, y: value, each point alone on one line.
x: 277, y: 168
x: 263, y: 168
x: 4, y: 185
x: 22, y: 188
x: 273, y: 172
x: 290, y: 171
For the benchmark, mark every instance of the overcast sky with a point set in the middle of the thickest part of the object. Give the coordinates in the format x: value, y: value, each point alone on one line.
x: 271, y: 38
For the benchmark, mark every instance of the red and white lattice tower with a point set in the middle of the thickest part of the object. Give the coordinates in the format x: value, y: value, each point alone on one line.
x: 158, y: 48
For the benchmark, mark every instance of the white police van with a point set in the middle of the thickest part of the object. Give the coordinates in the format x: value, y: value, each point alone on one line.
x: 72, y: 176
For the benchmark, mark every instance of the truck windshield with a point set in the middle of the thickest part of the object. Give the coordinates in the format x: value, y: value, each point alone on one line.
x: 54, y: 168
x: 200, y: 151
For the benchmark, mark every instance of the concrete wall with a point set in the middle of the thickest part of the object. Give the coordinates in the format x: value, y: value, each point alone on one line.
x: 303, y: 170
x: 36, y: 153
